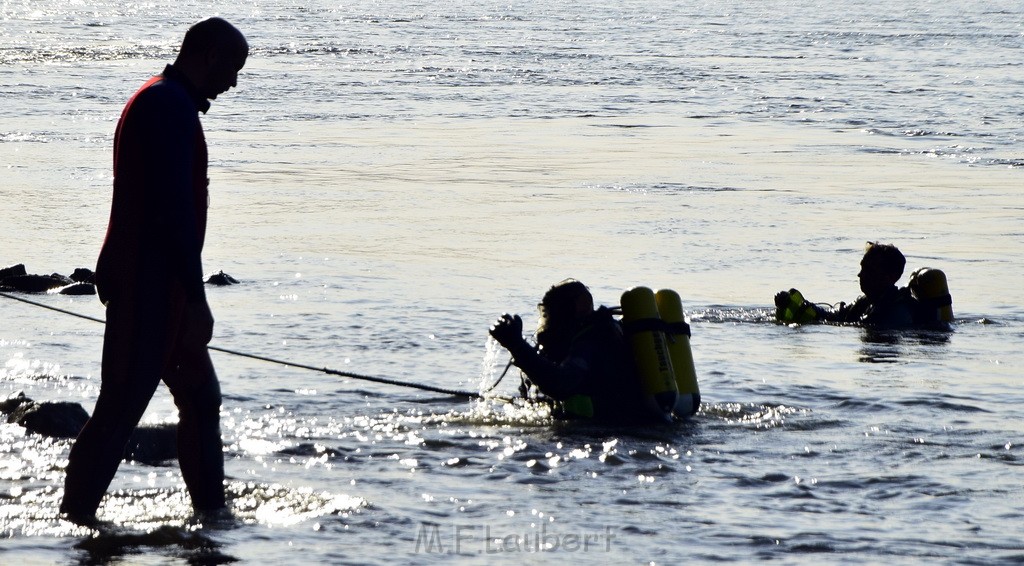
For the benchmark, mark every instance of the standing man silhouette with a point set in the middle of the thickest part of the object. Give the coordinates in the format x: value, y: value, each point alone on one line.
x: 149, y: 276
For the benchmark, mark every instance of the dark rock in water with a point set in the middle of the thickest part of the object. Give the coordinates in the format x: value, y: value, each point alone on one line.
x: 153, y: 444
x: 81, y: 288
x: 60, y: 419
x: 12, y: 270
x: 308, y: 449
x: 14, y: 278
x: 221, y: 278
x: 13, y: 401
x: 34, y: 283
x: 83, y: 275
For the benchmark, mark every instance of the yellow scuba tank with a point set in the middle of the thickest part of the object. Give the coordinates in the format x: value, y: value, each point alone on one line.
x: 796, y: 310
x: 677, y: 334
x: 929, y: 287
x: 642, y: 326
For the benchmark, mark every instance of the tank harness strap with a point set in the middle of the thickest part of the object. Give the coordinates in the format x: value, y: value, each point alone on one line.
x: 677, y: 329
x: 643, y: 325
x: 670, y: 329
x: 940, y: 301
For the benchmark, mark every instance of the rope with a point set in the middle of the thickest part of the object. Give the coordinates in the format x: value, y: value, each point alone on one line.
x: 384, y: 380
x: 79, y: 315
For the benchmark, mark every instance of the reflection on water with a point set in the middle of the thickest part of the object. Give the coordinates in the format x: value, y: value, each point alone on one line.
x: 147, y: 520
x: 111, y: 545
x: 893, y: 346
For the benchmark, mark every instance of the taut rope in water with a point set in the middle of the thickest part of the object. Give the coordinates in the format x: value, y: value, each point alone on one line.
x: 326, y: 370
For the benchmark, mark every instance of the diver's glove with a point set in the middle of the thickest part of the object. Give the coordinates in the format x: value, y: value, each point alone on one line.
x: 508, y: 331
x: 791, y: 307
x: 782, y: 299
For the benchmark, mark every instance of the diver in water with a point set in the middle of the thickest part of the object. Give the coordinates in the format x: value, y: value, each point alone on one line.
x: 582, y: 360
x: 882, y: 305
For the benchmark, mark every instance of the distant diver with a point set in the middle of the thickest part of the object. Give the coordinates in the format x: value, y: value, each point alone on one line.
x: 925, y: 303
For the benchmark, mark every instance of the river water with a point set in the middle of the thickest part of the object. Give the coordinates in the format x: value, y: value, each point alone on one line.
x: 389, y: 177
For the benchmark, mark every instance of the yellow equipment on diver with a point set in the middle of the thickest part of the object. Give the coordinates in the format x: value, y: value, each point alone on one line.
x: 677, y: 334
x: 643, y: 328
x: 929, y: 287
x: 796, y: 310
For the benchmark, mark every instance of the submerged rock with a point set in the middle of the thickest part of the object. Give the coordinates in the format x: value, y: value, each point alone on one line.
x: 83, y: 275
x: 153, y: 444
x: 15, y: 278
x: 12, y: 270
x: 57, y: 419
x: 149, y: 444
x: 220, y: 278
x: 34, y: 283
x: 12, y: 402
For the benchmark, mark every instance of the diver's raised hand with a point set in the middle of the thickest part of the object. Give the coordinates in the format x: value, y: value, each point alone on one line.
x: 508, y: 330
x: 782, y: 299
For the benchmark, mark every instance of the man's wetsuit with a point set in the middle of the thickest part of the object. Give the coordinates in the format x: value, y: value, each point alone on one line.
x: 598, y: 366
x: 148, y: 270
x: 895, y: 308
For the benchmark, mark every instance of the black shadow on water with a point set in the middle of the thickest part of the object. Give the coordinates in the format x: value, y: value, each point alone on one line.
x: 112, y: 544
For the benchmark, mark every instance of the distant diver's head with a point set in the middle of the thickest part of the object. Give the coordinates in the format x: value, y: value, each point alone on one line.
x: 562, y: 310
x: 880, y: 269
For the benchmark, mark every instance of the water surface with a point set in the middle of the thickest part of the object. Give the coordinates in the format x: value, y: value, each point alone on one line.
x: 389, y: 177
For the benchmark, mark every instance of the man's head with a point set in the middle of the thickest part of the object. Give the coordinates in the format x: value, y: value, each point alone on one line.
x: 880, y: 269
x: 562, y: 309
x: 211, y: 55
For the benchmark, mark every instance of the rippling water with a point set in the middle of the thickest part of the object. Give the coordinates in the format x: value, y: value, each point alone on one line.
x: 388, y: 177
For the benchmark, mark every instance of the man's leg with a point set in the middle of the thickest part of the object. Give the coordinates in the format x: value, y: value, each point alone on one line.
x: 193, y: 382
x: 132, y: 362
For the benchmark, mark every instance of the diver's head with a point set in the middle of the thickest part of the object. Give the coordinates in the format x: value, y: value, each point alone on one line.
x: 880, y: 269
x: 563, y: 309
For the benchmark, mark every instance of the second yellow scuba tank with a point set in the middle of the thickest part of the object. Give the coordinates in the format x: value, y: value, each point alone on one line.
x: 677, y: 334
x: 929, y: 287
x: 653, y: 363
